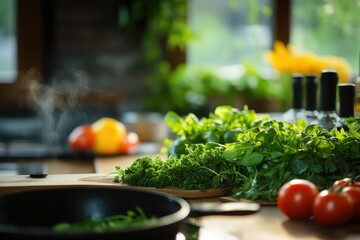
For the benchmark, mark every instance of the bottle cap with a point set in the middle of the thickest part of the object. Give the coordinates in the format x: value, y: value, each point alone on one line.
x: 297, y: 91
x: 328, y: 82
x: 310, y: 92
x: 347, y: 96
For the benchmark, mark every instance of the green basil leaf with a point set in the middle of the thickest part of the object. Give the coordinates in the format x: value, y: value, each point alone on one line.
x: 298, y: 166
x: 211, y: 136
x: 276, y: 154
x: 237, y: 151
x: 252, y: 159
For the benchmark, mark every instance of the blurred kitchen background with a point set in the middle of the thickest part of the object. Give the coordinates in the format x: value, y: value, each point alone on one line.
x: 64, y: 63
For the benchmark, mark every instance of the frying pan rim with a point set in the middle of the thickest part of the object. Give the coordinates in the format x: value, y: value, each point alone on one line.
x: 160, y: 222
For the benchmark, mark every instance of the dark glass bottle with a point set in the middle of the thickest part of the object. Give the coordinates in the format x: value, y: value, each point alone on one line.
x: 311, y: 113
x: 328, y: 117
x: 296, y: 112
x: 346, y: 99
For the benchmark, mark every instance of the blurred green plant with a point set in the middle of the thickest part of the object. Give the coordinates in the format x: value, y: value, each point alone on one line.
x: 196, y: 89
x: 187, y: 88
x: 7, y: 24
x: 330, y: 21
x: 164, y: 23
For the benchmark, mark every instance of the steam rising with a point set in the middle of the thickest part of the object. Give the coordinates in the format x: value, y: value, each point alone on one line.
x: 56, y: 102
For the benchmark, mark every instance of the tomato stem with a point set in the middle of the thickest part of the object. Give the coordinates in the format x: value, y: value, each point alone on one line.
x: 339, y: 188
x: 356, y: 179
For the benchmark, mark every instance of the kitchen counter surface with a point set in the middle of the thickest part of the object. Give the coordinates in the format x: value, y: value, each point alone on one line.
x: 268, y: 223
x: 271, y: 224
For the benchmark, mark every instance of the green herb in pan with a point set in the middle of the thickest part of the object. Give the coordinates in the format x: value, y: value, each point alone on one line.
x: 133, y: 218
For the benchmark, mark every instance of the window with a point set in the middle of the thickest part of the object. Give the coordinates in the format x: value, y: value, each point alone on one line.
x: 229, y: 32
x: 327, y: 27
x: 8, y: 46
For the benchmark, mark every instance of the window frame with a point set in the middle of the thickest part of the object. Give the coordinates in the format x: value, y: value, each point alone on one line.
x: 282, y: 18
x: 34, y: 41
x: 30, y: 51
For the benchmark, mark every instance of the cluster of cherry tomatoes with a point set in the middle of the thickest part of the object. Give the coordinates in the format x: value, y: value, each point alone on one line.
x: 105, y: 136
x: 300, y: 199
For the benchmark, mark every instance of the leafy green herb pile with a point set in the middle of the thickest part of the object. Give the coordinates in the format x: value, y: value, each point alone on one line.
x: 249, y: 152
x: 133, y: 218
x: 200, y: 168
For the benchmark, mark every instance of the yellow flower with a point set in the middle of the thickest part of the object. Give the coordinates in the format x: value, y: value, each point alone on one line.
x: 287, y: 59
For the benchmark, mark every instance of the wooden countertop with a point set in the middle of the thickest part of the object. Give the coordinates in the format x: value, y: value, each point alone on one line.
x: 271, y: 224
x: 268, y: 223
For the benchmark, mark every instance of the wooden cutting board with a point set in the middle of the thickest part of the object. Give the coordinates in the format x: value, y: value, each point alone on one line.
x: 24, y: 182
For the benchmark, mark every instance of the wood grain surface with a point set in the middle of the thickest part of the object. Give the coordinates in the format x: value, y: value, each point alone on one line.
x: 24, y: 182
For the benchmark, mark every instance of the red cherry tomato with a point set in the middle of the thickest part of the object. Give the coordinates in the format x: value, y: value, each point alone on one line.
x: 295, y: 198
x: 82, y: 138
x: 354, y: 193
x: 332, y: 208
x: 129, y: 143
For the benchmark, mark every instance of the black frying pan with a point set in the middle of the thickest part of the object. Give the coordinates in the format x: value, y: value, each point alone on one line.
x: 32, y: 214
